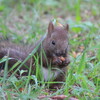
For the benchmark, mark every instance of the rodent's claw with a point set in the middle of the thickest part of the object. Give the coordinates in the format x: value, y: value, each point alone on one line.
x: 57, y: 61
x: 61, y: 61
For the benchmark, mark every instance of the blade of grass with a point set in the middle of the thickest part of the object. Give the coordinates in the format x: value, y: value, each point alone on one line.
x: 5, y: 72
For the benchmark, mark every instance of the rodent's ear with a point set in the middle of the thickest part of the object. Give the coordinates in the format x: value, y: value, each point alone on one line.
x: 66, y: 27
x: 50, y: 27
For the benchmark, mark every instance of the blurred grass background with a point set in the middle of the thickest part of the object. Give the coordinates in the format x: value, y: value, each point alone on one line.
x: 25, y: 21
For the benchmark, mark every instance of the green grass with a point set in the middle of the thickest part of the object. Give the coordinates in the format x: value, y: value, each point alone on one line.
x: 26, y: 21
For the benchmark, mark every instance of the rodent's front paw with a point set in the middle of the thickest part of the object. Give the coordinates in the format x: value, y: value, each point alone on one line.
x: 61, y: 61
x: 57, y: 61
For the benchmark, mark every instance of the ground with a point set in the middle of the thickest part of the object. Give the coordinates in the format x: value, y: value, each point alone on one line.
x: 25, y: 21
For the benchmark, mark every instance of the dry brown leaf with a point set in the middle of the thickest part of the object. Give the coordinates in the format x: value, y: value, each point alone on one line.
x: 75, y: 36
x: 81, y: 48
x: 21, y: 89
x: 75, y: 54
x: 72, y: 98
x: 42, y: 97
x: 57, y: 97
x: 59, y: 24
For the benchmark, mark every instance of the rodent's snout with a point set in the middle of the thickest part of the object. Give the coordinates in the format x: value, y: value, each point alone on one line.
x: 60, y: 53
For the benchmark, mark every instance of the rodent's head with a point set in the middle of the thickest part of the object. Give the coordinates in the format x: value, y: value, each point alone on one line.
x: 56, y: 43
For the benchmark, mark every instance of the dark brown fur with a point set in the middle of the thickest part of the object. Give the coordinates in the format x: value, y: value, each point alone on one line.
x: 55, y: 44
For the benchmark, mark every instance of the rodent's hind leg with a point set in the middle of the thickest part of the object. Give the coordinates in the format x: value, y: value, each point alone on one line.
x: 60, y: 79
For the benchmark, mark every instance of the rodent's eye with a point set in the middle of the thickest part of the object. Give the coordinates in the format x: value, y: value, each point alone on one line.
x: 53, y: 42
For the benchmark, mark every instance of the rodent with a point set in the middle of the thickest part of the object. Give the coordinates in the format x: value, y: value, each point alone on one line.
x: 55, y: 46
